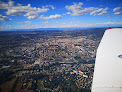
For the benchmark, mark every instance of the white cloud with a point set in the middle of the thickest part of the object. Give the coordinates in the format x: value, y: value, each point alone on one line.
x: 46, y: 22
x: 6, y: 5
x: 57, y: 22
x: 18, y: 10
x: 62, y: 25
x: 25, y: 23
x: 28, y: 22
x: 78, y: 10
x: 117, y: 10
x: 50, y: 6
x: 7, y: 27
x: 68, y: 12
x: 4, y: 18
x: 110, y: 23
x: 99, y: 11
x: 51, y: 17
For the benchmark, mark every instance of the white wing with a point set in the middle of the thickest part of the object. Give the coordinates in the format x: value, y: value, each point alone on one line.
x: 108, y: 66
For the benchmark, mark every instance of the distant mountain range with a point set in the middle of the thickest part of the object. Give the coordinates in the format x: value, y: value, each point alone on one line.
x: 64, y: 29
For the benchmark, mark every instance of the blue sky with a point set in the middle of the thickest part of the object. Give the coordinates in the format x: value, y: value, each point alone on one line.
x: 31, y: 14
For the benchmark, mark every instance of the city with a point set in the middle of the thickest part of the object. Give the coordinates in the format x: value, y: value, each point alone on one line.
x: 48, y: 61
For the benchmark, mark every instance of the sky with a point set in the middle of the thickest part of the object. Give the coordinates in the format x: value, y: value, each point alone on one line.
x: 32, y: 14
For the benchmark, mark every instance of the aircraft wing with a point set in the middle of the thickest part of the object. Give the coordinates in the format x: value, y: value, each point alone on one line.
x: 108, y: 65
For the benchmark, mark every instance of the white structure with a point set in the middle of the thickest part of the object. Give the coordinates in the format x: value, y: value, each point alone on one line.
x: 37, y: 62
x: 108, y: 66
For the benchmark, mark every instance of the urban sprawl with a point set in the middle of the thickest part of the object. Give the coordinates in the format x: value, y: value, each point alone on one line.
x: 48, y: 61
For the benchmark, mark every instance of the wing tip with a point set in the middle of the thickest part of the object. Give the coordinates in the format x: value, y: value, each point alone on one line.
x: 113, y: 28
